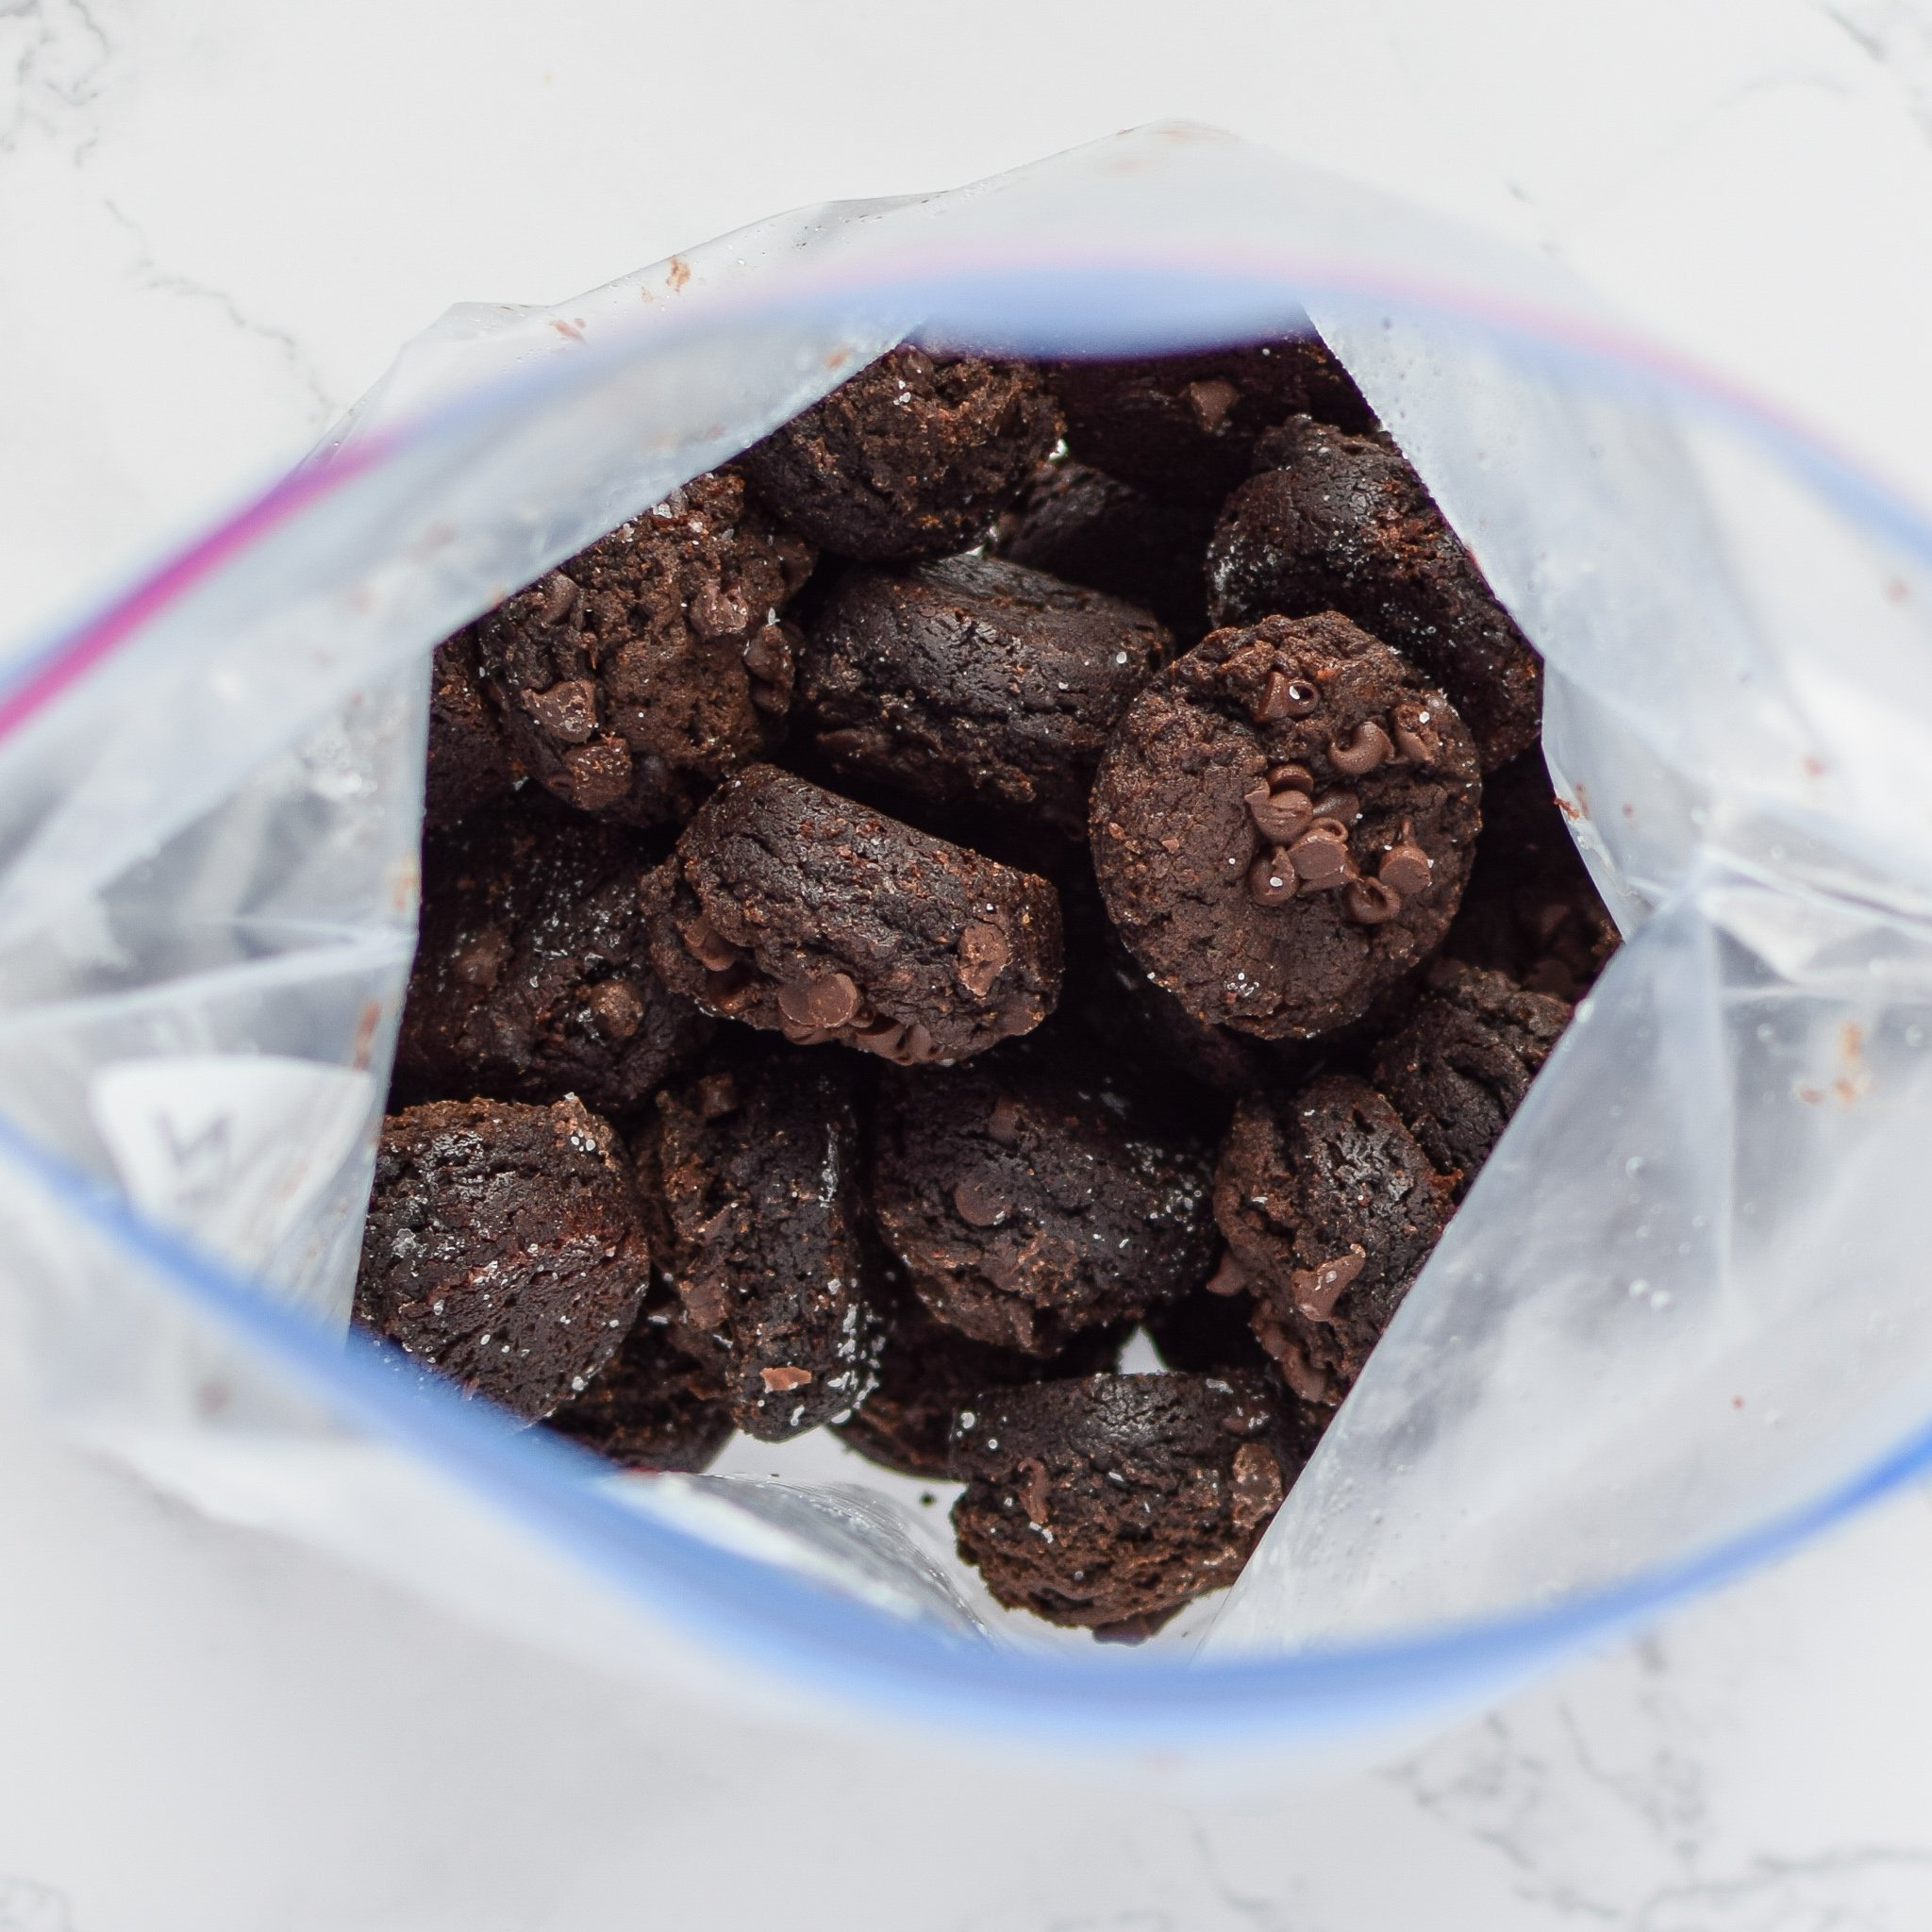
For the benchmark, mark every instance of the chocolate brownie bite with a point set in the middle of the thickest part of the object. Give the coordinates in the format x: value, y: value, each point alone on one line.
x: 637, y: 674
x: 1184, y: 426
x: 974, y: 682
x: 1109, y: 1502
x: 1282, y: 826
x: 649, y: 1408
x: 928, y: 1372
x: 1458, y: 1066
x: 505, y: 1248
x: 790, y: 908
x: 755, y: 1164
x: 1086, y: 527
x: 1531, y: 909
x: 914, y: 457
x: 533, y: 975
x: 1333, y: 522
x: 1027, y: 1204
x: 1329, y: 1209
x: 470, y: 761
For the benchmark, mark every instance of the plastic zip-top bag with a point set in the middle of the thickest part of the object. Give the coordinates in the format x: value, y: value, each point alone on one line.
x: 1676, y: 1324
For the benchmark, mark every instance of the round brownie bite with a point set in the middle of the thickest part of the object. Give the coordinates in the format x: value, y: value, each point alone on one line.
x: 1109, y: 1502
x: 649, y: 1408
x: 1282, y: 826
x: 1329, y: 1209
x: 1458, y: 1067
x: 974, y: 682
x: 469, y: 761
x: 756, y: 1165
x: 1184, y: 426
x: 505, y: 1248
x: 1027, y: 1204
x: 533, y: 975
x: 1333, y: 522
x: 914, y: 457
x: 791, y: 909
x: 637, y: 674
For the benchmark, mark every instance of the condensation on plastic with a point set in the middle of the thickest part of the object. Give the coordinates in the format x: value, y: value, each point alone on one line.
x: 1678, y: 1324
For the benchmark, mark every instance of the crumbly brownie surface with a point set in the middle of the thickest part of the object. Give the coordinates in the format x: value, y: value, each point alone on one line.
x: 505, y: 1248
x: 789, y: 908
x: 637, y: 674
x: 1458, y: 1066
x: 470, y: 761
x: 914, y: 457
x: 1333, y: 522
x: 1329, y: 1208
x: 649, y: 1406
x: 1109, y: 1502
x: 974, y: 682
x: 1282, y: 826
x: 756, y: 1162
x: 533, y: 975
x: 1185, y: 426
x: 1027, y: 1205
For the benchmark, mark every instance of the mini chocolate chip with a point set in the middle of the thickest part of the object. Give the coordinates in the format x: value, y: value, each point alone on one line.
x: 1278, y: 816
x: 821, y: 1005
x: 617, y: 1006
x: 1368, y: 746
x: 1230, y: 1277
x: 1318, y: 1289
x: 1319, y: 856
x: 559, y: 598
x: 1370, y: 902
x: 709, y: 946
x: 1272, y: 880
x: 1416, y: 737
x: 1340, y: 807
x: 1003, y: 1123
x: 1290, y: 778
x: 1211, y: 402
x: 1405, y: 868
x: 782, y: 1381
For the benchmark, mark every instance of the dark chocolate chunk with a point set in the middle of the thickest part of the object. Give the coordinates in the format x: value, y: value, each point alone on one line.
x: 470, y: 759
x: 1458, y: 1066
x: 649, y: 1408
x: 636, y: 674
x: 1027, y: 1206
x: 504, y: 1247
x: 1329, y: 1209
x: 1185, y: 426
x: 1333, y: 522
x: 533, y: 975
x: 1109, y: 1502
x: 790, y: 908
x: 928, y: 1372
x: 756, y: 1165
x: 974, y: 682
x: 914, y: 457
x: 1089, y: 528
x: 1282, y: 826
x: 1209, y: 1332
x: 1530, y: 909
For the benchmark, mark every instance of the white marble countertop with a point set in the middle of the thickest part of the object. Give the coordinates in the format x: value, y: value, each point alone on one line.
x: 217, y: 219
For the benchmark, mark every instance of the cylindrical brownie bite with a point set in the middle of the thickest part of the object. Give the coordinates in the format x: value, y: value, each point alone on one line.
x: 1184, y: 426
x: 649, y: 1408
x: 1108, y: 1503
x: 505, y: 1248
x: 790, y: 908
x: 1333, y: 522
x: 469, y: 761
x: 1458, y: 1066
x: 1329, y: 1209
x: 637, y: 674
x: 533, y: 975
x: 913, y: 457
x: 756, y: 1163
x: 1027, y: 1204
x: 1282, y: 826
x: 974, y: 682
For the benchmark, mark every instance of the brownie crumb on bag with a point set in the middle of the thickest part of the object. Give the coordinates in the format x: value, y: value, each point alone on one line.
x: 1333, y: 522
x: 505, y: 1248
x: 756, y: 1165
x: 789, y: 908
x: 533, y: 975
x: 974, y: 682
x: 914, y: 457
x: 1329, y: 1209
x: 649, y: 1408
x: 639, y: 671
x: 1282, y: 826
x: 1111, y: 1501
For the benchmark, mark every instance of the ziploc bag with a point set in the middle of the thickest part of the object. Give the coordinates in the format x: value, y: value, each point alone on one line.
x: 1678, y: 1321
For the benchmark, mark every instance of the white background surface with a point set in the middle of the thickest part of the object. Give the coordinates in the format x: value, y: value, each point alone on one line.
x: 217, y: 218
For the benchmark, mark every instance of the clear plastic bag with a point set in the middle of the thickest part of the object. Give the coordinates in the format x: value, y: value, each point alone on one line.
x: 1676, y: 1326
